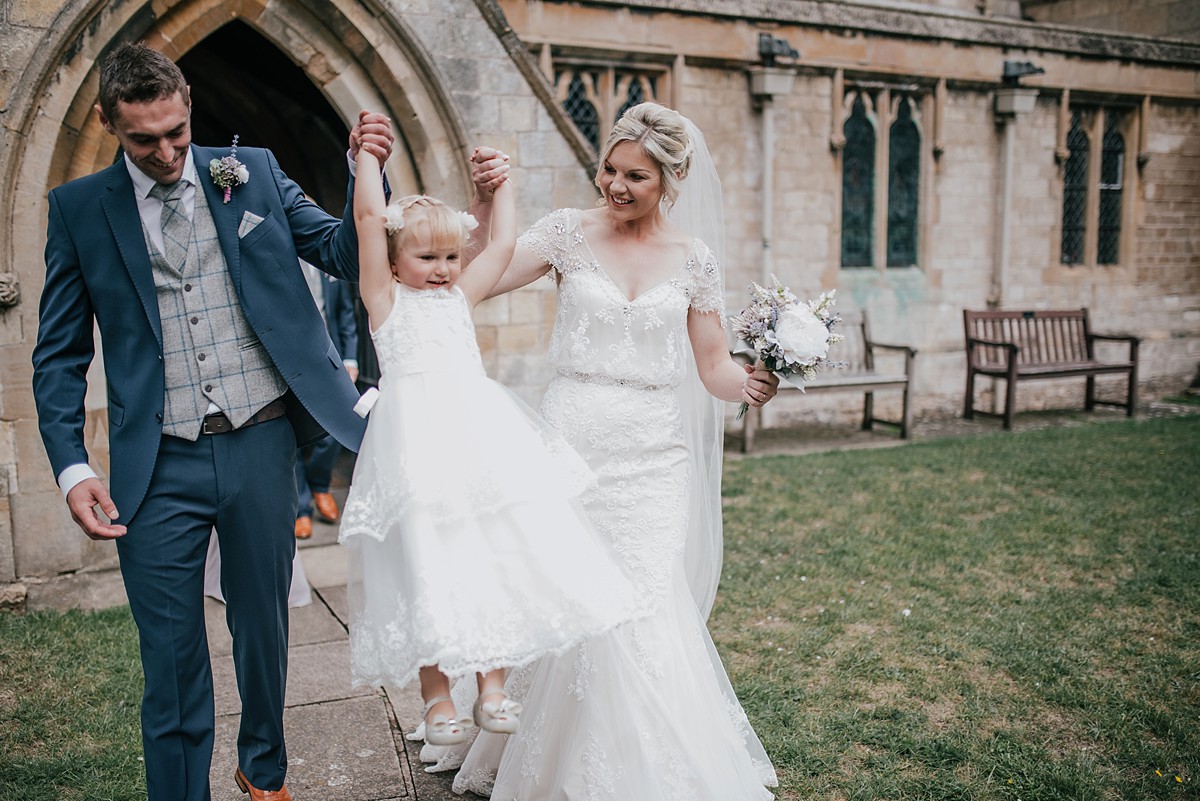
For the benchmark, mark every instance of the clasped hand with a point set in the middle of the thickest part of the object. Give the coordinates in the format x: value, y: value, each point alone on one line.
x: 489, y: 169
x: 761, y: 385
x: 372, y: 133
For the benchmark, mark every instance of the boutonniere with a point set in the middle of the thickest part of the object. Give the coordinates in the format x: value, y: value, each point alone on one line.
x: 229, y: 172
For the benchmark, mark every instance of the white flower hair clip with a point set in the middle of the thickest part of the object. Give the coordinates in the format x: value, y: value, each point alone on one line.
x: 393, y: 219
x: 469, y: 221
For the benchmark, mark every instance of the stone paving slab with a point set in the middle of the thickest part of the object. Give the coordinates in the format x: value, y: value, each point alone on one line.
x: 407, y: 705
x: 316, y: 674
x: 337, y: 751
x: 335, y: 599
x: 307, y: 625
x: 325, y: 565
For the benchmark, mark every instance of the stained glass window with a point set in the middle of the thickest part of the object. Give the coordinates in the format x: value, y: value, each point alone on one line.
x: 858, y: 188
x: 904, y: 174
x: 1074, y: 193
x: 1112, y: 166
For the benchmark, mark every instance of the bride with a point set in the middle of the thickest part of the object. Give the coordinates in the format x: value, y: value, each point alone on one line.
x: 641, y: 364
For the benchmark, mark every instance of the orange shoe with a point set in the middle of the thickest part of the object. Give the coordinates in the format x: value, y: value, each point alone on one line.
x: 256, y: 794
x: 326, y: 506
x: 303, y: 528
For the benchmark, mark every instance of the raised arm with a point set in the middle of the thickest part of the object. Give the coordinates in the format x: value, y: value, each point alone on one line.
x: 525, y: 267
x: 489, y: 169
x: 485, y: 269
x: 322, y: 240
x: 376, y: 283
x: 723, y: 377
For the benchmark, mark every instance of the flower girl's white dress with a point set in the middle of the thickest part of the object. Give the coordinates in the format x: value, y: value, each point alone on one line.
x: 468, y: 547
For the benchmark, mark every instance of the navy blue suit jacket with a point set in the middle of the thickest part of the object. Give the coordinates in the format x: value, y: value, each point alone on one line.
x: 98, y: 272
x: 340, y: 319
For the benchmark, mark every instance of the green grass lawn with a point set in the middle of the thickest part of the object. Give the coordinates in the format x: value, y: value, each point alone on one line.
x: 1002, y: 617
x: 70, y: 691
x: 1013, y: 616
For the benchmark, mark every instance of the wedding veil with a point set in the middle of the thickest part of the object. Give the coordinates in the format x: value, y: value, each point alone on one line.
x: 698, y: 211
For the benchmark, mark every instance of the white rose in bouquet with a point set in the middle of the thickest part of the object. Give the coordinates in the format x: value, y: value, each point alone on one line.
x: 802, y: 336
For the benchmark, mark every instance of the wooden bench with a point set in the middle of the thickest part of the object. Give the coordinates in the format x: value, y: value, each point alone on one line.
x: 1017, y: 345
x: 860, y: 374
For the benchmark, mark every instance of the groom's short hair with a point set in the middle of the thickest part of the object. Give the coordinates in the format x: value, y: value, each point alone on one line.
x: 136, y: 73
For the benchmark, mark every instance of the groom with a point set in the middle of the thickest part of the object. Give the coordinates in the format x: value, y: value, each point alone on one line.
x: 218, y: 365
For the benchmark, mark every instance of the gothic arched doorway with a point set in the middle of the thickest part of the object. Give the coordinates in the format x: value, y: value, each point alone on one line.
x: 271, y: 104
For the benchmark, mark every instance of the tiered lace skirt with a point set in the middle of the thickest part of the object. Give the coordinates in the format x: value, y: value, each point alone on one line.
x: 468, y: 546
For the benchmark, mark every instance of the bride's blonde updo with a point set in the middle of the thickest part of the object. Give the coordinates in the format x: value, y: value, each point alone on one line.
x: 425, y: 220
x: 663, y: 136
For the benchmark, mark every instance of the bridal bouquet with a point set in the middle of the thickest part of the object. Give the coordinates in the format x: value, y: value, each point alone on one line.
x: 785, y: 335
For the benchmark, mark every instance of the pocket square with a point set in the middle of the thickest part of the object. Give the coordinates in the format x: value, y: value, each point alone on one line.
x: 250, y: 221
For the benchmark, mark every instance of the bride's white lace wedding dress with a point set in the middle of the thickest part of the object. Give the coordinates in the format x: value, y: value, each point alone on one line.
x: 645, y: 712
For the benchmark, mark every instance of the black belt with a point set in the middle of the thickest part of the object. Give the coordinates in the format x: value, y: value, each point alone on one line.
x: 218, y: 423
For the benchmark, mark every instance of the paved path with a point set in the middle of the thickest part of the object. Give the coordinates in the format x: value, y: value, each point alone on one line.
x: 347, y: 744
x: 344, y: 743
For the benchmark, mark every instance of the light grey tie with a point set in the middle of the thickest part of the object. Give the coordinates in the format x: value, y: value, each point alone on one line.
x: 176, y: 227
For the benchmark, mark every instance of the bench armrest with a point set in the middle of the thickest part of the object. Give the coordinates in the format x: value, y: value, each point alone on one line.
x: 1116, y: 338
x: 909, y: 353
x: 884, y: 346
x: 1132, y: 340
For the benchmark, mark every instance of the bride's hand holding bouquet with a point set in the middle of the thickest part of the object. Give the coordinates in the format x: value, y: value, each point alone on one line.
x: 785, y: 335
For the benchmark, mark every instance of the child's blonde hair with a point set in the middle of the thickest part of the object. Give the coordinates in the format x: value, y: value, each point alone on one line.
x: 425, y: 220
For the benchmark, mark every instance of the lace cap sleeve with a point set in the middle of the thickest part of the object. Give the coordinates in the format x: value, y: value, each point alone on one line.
x: 551, y: 237
x: 707, y: 286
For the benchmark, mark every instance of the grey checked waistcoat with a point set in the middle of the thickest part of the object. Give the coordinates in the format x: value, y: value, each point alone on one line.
x: 209, y: 350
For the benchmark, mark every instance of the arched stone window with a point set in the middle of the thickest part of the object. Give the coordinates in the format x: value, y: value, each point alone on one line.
x: 881, y: 147
x: 1112, y: 164
x: 904, y: 186
x: 1095, y: 175
x: 1075, y: 192
x: 581, y: 108
x: 858, y: 186
x: 596, y: 94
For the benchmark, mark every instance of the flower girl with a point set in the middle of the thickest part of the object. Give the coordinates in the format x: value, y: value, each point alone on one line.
x: 470, y: 553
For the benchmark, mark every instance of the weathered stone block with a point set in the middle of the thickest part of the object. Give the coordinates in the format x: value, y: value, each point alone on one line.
x: 518, y: 114
x: 34, y: 471
x: 103, y: 589
x: 493, y: 312
x: 524, y: 338
x: 45, y: 539
x: 8, y: 569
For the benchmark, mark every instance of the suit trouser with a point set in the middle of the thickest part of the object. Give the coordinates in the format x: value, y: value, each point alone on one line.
x: 243, y: 483
x: 315, y: 473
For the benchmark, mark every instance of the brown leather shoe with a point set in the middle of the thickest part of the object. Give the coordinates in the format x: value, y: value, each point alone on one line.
x: 303, y: 528
x: 326, y: 506
x: 256, y: 794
